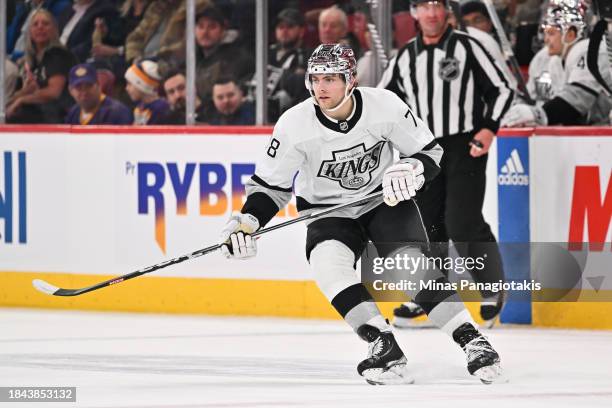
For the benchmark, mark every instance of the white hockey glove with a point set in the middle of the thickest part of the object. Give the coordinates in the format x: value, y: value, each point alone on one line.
x: 402, y: 180
x: 235, y: 238
x: 521, y: 115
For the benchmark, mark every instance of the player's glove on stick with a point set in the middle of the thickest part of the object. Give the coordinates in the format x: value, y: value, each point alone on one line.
x: 525, y: 115
x: 402, y: 180
x: 235, y: 238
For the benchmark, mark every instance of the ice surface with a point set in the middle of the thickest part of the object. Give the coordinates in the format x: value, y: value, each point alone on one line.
x: 166, y: 361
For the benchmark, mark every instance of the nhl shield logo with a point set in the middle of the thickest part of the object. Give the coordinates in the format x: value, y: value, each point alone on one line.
x: 449, y: 69
x: 352, y: 168
x: 343, y: 125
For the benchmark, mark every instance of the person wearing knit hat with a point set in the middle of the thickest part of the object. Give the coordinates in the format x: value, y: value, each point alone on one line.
x: 142, y: 86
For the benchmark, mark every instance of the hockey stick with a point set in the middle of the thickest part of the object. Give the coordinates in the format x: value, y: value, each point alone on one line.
x: 601, y: 28
x: 49, y: 289
x: 377, y: 43
x: 508, y: 53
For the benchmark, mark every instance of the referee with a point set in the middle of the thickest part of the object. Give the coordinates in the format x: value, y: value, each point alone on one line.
x: 456, y: 87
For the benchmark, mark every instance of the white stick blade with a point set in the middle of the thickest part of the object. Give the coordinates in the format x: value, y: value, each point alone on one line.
x: 44, y: 287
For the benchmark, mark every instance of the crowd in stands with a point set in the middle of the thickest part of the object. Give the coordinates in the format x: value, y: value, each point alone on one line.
x: 123, y: 61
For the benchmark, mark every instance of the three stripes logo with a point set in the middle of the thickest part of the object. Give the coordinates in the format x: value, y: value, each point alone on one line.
x: 513, y: 173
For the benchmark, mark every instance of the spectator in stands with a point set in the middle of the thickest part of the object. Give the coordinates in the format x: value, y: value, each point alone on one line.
x: 524, y: 17
x: 161, y: 33
x: 77, y: 25
x: 11, y: 76
x: 92, y: 106
x: 43, y: 97
x: 142, y: 87
x: 287, y: 62
x: 109, y: 53
x: 174, y: 85
x: 172, y: 45
x: 10, y: 9
x: 333, y: 28
x: 475, y: 17
x: 474, y: 14
x: 132, y: 12
x: 218, y: 53
x: 230, y: 107
x: 145, y: 40
x: 16, y: 32
x: 333, y: 25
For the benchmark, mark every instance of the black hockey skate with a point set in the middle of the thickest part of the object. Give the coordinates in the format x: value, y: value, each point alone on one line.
x: 386, y: 362
x: 482, y: 360
x: 405, y: 316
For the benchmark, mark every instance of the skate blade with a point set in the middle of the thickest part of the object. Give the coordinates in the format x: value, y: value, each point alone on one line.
x: 408, y: 323
x: 491, y: 374
x: 397, y: 374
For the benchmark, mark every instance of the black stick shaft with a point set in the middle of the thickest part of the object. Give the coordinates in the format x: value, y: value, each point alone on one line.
x: 212, y: 248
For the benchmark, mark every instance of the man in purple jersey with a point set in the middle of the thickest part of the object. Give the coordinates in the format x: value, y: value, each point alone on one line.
x: 92, y: 106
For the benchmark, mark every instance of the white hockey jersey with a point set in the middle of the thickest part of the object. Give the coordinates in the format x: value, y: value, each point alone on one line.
x: 569, y: 79
x: 337, y: 161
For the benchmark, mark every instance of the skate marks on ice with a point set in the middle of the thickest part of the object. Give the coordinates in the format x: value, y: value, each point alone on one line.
x: 230, y: 371
x: 158, y: 361
x: 177, y: 337
x: 224, y: 370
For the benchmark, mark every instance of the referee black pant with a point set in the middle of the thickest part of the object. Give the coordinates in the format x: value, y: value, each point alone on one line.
x: 451, y: 207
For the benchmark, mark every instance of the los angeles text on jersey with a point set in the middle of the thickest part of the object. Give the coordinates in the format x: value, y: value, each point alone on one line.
x: 352, y: 167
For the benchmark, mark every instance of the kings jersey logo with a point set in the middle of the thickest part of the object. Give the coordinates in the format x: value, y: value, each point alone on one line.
x: 352, y: 167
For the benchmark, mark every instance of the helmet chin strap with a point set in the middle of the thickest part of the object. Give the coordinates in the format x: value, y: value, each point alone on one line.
x: 566, y: 45
x: 347, y: 96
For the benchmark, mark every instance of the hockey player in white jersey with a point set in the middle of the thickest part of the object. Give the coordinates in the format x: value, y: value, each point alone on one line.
x: 340, y: 143
x: 566, y: 93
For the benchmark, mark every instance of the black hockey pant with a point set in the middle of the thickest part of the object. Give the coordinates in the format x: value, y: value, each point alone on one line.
x: 451, y: 207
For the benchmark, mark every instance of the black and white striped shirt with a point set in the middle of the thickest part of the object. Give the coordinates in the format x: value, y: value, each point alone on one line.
x: 455, y: 86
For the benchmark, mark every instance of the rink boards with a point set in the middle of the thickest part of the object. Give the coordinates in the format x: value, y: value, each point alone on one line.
x: 79, y: 205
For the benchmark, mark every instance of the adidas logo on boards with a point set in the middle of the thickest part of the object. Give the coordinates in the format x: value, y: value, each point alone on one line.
x: 513, y: 172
